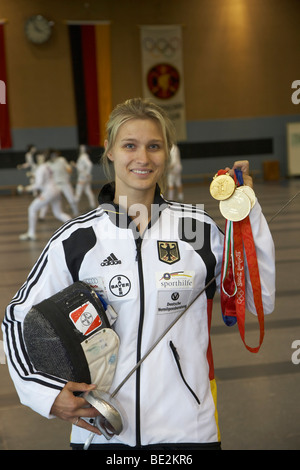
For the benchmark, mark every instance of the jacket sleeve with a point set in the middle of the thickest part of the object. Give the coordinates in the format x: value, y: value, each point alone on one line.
x: 265, y: 252
x: 48, y: 276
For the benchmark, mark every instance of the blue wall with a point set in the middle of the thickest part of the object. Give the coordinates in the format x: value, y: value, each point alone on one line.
x: 240, y: 129
x: 274, y: 128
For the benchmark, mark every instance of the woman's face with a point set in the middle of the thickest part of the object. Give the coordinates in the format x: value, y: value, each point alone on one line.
x: 138, y: 155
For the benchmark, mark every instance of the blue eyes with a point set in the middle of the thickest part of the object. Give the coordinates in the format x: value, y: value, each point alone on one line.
x: 150, y: 147
x: 155, y: 147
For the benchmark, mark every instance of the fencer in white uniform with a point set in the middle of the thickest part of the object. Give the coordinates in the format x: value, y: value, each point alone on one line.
x: 84, y: 168
x: 30, y: 163
x: 61, y: 172
x: 48, y: 193
x: 174, y: 174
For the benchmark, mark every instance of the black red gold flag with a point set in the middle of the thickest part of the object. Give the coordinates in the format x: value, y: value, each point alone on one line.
x: 91, y: 65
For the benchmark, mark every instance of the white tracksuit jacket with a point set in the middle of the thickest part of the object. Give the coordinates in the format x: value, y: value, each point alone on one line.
x: 148, y: 280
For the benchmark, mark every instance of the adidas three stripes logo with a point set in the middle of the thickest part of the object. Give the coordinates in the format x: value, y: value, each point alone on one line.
x: 111, y: 260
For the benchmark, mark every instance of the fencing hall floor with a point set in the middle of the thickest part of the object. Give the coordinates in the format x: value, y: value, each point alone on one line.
x: 258, y: 394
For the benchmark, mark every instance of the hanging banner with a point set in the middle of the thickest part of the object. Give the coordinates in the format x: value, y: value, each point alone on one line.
x: 91, y: 63
x: 5, y: 133
x: 162, y: 71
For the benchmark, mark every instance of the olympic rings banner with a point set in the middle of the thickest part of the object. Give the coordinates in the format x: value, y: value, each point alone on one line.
x: 162, y: 71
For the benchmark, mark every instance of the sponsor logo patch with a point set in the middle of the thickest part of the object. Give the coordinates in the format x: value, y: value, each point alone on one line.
x: 175, y: 280
x: 120, y: 285
x: 85, y: 318
x: 111, y: 260
x: 174, y: 291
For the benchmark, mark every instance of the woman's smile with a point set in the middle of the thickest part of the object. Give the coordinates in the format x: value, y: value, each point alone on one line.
x: 141, y: 172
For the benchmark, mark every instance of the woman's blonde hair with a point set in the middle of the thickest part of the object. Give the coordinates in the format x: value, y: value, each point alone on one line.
x: 137, y: 108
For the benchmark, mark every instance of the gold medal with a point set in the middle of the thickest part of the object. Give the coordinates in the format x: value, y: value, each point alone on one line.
x: 250, y: 193
x: 237, y: 207
x: 222, y: 187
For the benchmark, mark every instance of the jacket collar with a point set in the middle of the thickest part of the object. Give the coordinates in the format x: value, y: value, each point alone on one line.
x: 117, y: 214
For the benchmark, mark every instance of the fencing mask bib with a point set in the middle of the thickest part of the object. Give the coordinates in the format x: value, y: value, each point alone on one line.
x: 69, y: 336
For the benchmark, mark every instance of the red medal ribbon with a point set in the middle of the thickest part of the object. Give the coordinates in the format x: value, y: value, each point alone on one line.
x: 222, y: 172
x: 239, y: 239
x: 243, y: 239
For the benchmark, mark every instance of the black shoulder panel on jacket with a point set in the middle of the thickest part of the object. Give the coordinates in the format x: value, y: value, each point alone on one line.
x: 76, y: 247
x: 197, y: 234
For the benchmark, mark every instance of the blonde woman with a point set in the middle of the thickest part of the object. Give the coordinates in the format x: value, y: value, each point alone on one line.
x: 151, y: 265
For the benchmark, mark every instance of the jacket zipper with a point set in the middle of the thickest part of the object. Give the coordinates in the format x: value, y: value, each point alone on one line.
x: 139, y: 339
x: 177, y: 360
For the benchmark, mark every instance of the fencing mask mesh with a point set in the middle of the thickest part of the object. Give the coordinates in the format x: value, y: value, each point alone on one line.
x: 69, y: 336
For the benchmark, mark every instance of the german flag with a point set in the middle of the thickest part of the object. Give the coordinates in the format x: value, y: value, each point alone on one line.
x: 5, y: 132
x: 91, y: 64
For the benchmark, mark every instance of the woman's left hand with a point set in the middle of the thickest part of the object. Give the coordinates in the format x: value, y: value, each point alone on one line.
x: 242, y: 165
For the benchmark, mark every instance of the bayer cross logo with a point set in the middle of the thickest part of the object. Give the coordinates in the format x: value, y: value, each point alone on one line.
x: 86, y: 318
x: 119, y: 285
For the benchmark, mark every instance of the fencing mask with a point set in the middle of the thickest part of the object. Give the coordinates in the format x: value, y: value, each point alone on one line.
x: 69, y: 336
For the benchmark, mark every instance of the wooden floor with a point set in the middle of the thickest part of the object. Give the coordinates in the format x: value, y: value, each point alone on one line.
x: 258, y: 394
